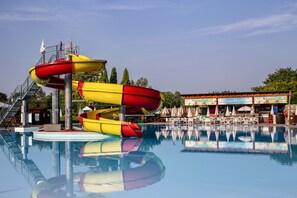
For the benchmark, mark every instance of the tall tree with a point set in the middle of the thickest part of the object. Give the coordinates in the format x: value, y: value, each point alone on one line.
x: 132, y: 82
x: 3, y: 97
x: 172, y: 99
x: 104, y: 76
x: 113, y: 76
x: 86, y: 76
x: 168, y: 99
x: 282, y: 79
x: 40, y: 99
x: 142, y: 82
x: 125, y: 79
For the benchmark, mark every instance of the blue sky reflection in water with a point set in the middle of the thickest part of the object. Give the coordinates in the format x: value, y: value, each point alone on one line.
x: 167, y: 162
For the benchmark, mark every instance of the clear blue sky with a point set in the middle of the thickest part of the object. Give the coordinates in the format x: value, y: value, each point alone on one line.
x: 191, y: 46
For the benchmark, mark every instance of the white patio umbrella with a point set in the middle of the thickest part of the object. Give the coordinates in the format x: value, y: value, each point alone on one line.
x: 189, y: 133
x: 180, y: 112
x: 252, y: 111
x: 197, y: 134
x: 197, y: 112
x: 189, y: 113
x: 158, y: 133
x: 227, y: 111
x: 207, y: 113
x: 208, y: 134
x: 173, y: 112
x: 253, y: 135
x: 173, y: 135
x: 234, y: 135
x: 244, y: 108
x: 180, y: 134
x: 165, y: 133
x: 217, y: 135
x: 273, y: 133
x: 217, y: 111
x: 271, y: 111
x: 164, y: 112
x: 228, y: 133
x: 233, y: 111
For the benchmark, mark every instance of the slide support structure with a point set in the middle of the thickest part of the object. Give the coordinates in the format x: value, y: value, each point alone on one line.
x: 56, y: 106
x: 56, y: 158
x: 68, y: 99
x: 24, y: 113
x: 122, y: 113
x: 69, y: 169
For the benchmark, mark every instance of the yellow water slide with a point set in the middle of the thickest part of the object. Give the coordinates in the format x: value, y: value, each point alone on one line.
x: 102, y: 121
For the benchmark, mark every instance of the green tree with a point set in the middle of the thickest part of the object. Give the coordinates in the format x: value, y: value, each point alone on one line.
x: 113, y: 76
x: 142, y: 82
x: 3, y: 97
x: 125, y: 79
x: 281, y: 80
x: 132, y: 82
x: 104, y: 76
x: 40, y: 99
x: 172, y: 99
x: 86, y: 76
x: 168, y: 99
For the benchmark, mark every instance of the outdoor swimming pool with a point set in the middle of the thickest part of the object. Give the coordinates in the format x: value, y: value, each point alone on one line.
x: 170, y: 161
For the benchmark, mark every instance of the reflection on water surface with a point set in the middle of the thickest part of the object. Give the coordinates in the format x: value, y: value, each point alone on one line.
x: 136, y: 167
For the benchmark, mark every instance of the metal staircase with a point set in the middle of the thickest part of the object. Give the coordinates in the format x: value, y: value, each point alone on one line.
x: 29, y: 88
x: 21, y: 92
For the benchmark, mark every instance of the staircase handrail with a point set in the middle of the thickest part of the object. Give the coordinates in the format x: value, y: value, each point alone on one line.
x: 52, y: 53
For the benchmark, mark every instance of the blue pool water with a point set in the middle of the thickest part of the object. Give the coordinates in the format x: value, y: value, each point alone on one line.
x: 170, y: 161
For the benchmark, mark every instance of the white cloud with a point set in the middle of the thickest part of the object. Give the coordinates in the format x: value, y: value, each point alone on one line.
x: 29, y: 12
x: 256, y: 26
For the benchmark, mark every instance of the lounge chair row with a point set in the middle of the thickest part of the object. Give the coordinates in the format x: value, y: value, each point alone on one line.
x: 217, y: 120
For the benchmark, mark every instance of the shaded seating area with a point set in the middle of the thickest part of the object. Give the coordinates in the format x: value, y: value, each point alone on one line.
x: 193, y: 116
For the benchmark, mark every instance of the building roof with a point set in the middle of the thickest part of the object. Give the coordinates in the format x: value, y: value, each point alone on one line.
x: 236, y: 94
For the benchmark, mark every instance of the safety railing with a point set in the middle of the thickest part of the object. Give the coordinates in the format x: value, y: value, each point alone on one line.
x: 19, y: 93
x: 50, y: 54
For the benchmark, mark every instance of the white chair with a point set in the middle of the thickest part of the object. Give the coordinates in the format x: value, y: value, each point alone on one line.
x: 190, y: 121
x: 237, y: 120
x: 207, y: 121
x: 254, y: 120
x: 246, y: 121
x: 222, y: 120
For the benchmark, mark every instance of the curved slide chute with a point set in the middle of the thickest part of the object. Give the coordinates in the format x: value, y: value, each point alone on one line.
x: 103, y: 120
